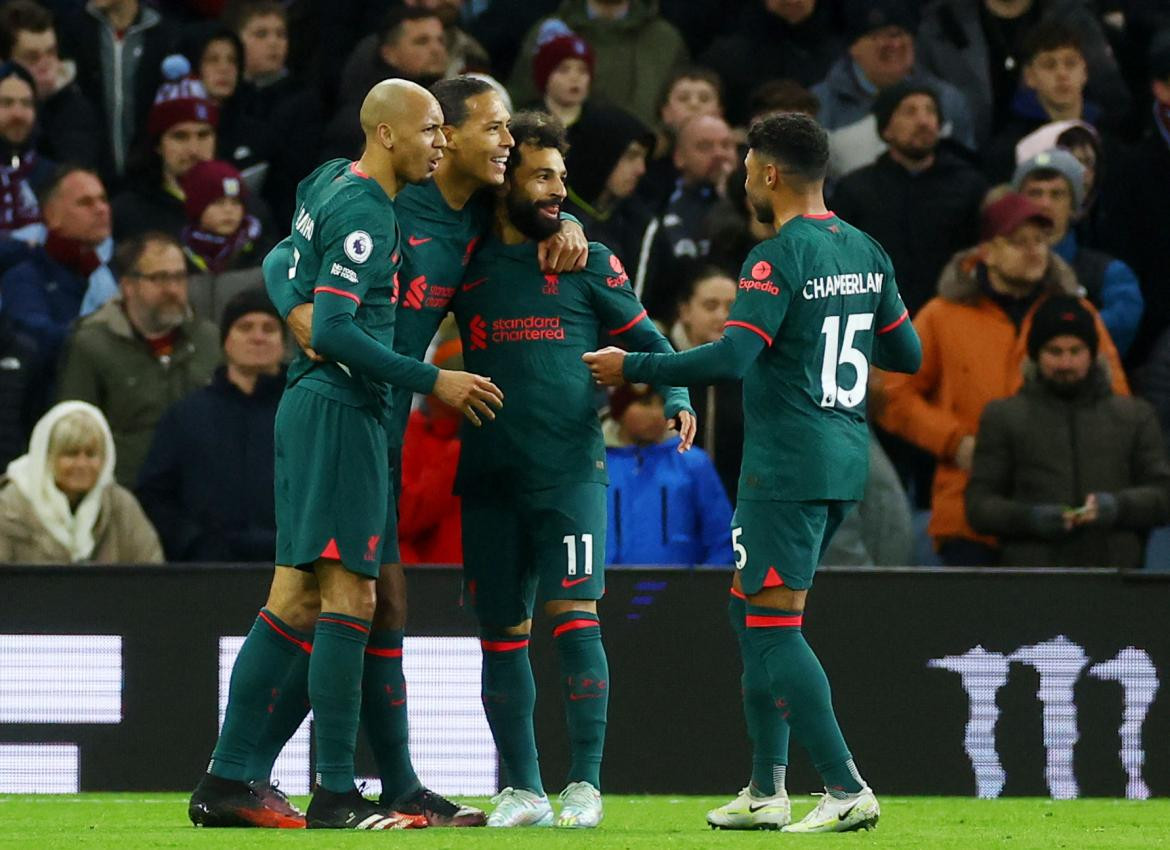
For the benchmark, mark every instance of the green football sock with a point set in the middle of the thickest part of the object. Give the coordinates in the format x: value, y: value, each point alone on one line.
x: 384, y: 713
x: 335, y: 690
x: 258, y: 675
x: 801, y: 690
x: 285, y: 714
x: 766, y: 726
x: 585, y: 686
x: 509, y: 698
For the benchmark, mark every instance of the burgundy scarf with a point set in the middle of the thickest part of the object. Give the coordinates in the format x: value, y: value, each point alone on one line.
x: 214, y: 253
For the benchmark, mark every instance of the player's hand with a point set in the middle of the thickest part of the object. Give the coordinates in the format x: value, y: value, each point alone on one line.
x: 606, y: 365
x: 473, y: 395
x: 686, y: 426
x: 300, y: 322
x: 567, y: 250
x: 965, y: 453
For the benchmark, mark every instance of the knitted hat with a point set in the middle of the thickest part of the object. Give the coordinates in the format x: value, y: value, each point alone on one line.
x: 180, y: 98
x: 207, y: 182
x: 554, y: 51
x: 240, y: 305
x: 864, y: 16
x: 1009, y: 212
x: 15, y: 69
x: 1061, y: 315
x: 1057, y: 160
x: 889, y: 99
x: 625, y: 395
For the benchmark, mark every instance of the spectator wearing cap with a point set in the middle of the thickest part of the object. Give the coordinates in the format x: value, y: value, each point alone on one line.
x: 1140, y: 207
x: 606, y: 159
x: 919, y: 200
x: 68, y: 276
x: 978, y: 46
x: 705, y: 156
x: 562, y: 70
x: 24, y: 172
x: 794, y: 40
x: 880, y: 35
x: 430, y: 528
x: 974, y: 336
x: 1053, y: 81
x: 207, y: 481
x: 1067, y: 473
x: 1054, y: 181
x: 636, y: 50
x: 119, y: 46
x: 142, y: 350
x: 664, y: 507
x: 69, y: 122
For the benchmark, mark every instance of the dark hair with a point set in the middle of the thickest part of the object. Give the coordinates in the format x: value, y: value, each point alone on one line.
x: 195, y: 49
x: 692, y: 72
x: 19, y: 16
x: 1050, y: 35
x: 795, y: 141
x: 535, y: 129
x: 129, y: 251
x: 50, y: 189
x: 250, y: 9
x: 453, y: 95
x: 693, y: 272
x: 390, y: 30
x: 782, y: 95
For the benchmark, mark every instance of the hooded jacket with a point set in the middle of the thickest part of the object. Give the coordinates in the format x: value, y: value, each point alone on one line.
x: 37, y: 525
x: 635, y: 56
x: 108, y: 364
x: 1039, y: 448
x: 972, y: 353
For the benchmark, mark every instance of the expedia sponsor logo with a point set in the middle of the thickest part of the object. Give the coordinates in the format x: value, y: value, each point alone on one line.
x: 338, y: 270
x: 619, y: 273
x: 842, y: 284
x: 527, y: 329
x: 762, y: 285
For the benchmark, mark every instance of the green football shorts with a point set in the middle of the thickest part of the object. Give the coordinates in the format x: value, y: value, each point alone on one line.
x: 333, y: 492
x: 542, y: 544
x: 780, y: 543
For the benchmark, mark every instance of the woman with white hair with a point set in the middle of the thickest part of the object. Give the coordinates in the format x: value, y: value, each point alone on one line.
x: 59, y: 503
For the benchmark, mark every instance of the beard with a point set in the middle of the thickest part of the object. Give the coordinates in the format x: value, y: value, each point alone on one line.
x: 1065, y: 384
x: 917, y: 152
x: 764, y: 212
x: 526, y: 217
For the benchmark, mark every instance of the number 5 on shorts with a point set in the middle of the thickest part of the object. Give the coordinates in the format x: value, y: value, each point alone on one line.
x: 740, y: 550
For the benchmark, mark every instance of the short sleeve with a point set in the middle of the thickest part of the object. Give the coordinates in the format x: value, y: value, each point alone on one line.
x: 617, y: 306
x: 891, y: 312
x: 358, y: 243
x: 762, y: 298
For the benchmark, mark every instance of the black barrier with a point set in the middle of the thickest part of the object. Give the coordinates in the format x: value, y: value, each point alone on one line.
x: 1012, y: 683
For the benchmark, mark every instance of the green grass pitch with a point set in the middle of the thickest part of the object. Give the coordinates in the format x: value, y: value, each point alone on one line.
x: 132, y: 821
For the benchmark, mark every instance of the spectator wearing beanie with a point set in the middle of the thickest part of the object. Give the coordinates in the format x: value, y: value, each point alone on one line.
x: 1054, y: 181
x: 207, y: 481
x: 635, y: 48
x: 23, y: 171
x: 224, y: 243
x: 919, y: 200
x: 880, y: 35
x: 562, y: 70
x: 974, y: 335
x: 1066, y: 473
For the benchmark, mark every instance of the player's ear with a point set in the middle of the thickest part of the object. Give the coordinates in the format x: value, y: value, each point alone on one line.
x: 385, y: 135
x: 451, y: 133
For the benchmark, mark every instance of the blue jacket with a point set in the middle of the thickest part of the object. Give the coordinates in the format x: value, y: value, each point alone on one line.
x: 666, y: 508
x: 1112, y: 287
x: 43, y: 298
x: 207, y: 483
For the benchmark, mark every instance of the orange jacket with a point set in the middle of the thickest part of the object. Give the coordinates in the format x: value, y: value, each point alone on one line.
x: 429, y: 524
x: 972, y: 353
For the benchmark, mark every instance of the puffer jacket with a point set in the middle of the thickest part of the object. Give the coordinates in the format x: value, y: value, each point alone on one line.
x: 972, y: 354
x: 1040, y: 448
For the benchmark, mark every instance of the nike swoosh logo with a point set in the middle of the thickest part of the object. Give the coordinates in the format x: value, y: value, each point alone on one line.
x: 566, y: 583
x: 845, y: 813
x: 752, y: 808
x: 397, y: 702
x: 415, y: 241
x: 575, y: 697
x: 473, y: 284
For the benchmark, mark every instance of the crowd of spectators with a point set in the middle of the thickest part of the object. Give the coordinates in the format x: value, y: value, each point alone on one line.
x: 1012, y: 157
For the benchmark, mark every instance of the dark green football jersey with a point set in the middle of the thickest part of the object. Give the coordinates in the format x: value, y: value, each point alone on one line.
x: 345, y: 241
x: 439, y: 244
x: 527, y: 330
x: 817, y: 293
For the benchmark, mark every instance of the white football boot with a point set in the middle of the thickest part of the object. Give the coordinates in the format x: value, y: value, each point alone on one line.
x: 518, y: 807
x: 834, y: 814
x: 581, y: 806
x: 750, y: 812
